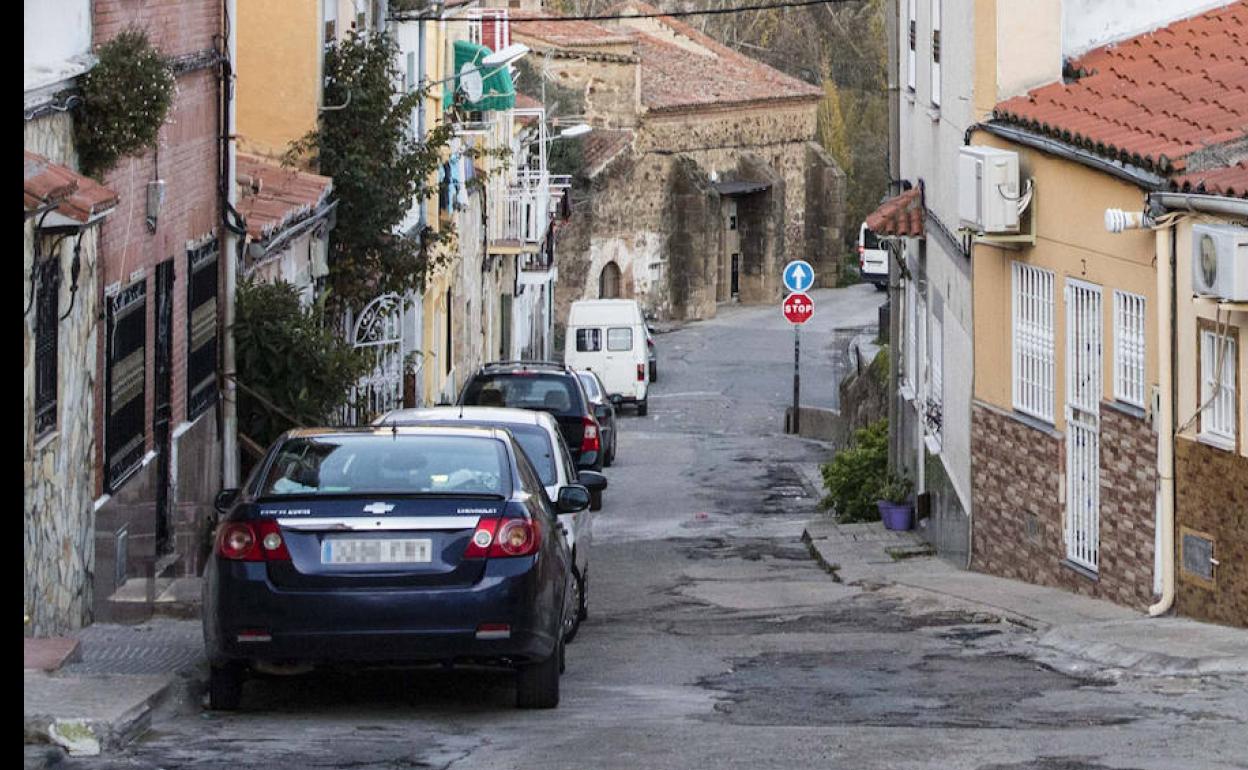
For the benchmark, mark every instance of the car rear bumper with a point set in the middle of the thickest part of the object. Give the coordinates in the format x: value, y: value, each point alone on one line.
x: 247, y: 618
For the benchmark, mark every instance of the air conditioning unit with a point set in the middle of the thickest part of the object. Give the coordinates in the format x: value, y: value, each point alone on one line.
x: 1220, y: 261
x: 988, y: 190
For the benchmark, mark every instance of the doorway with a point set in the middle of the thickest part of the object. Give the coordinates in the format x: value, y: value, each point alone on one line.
x: 162, y: 411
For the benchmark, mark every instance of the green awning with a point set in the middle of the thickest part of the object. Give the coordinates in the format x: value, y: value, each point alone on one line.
x: 497, y: 92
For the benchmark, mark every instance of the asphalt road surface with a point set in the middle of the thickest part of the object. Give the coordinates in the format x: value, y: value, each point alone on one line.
x: 714, y: 640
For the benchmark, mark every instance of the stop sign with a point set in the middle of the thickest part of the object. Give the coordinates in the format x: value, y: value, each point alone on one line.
x: 798, y: 308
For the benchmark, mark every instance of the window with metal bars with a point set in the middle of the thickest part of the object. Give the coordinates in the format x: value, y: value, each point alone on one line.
x: 1032, y: 329
x: 934, y: 69
x: 47, y: 307
x: 125, y: 375
x: 201, y: 329
x: 935, y: 375
x: 1129, y: 348
x: 912, y: 25
x: 1218, y: 388
x: 910, y: 365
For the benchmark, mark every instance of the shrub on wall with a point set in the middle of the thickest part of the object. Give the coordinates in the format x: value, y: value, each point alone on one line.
x: 125, y: 99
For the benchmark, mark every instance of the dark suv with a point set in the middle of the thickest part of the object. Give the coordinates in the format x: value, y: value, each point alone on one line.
x: 549, y: 387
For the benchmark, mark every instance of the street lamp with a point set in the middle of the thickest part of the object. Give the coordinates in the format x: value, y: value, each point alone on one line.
x: 506, y: 55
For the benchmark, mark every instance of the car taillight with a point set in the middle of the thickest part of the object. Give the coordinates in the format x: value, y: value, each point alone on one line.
x: 641, y: 372
x: 589, y: 442
x: 503, y: 539
x: 482, y: 538
x: 254, y: 541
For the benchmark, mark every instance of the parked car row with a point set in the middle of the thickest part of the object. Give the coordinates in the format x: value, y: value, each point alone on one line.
x: 446, y: 535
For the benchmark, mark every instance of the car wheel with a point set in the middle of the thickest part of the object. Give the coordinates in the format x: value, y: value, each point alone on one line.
x: 595, y: 500
x: 643, y: 406
x: 881, y: 286
x: 582, y: 609
x: 578, y: 601
x: 537, y: 684
x: 225, y: 687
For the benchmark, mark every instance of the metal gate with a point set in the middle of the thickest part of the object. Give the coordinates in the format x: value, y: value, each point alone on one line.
x: 378, y: 332
x: 1084, y: 325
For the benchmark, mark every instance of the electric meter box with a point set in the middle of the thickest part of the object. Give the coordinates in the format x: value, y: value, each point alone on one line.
x: 1220, y: 261
x: 988, y: 190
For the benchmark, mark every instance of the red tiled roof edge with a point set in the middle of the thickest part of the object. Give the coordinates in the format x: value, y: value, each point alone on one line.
x: 1226, y: 181
x: 285, y: 196
x: 1150, y: 100
x: 900, y: 215
x: 75, y: 196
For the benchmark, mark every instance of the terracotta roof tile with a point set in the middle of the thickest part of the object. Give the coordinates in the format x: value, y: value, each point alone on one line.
x: 1230, y: 181
x: 75, y: 196
x: 272, y: 197
x: 566, y: 34
x: 1152, y: 99
x: 601, y: 147
x: 899, y: 215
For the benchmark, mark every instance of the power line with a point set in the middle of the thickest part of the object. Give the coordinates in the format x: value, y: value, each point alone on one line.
x: 677, y: 14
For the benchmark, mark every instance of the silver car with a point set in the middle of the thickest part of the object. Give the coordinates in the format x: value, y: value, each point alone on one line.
x: 539, y: 437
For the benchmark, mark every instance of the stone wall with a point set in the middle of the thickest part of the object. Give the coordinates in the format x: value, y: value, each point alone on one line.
x: 638, y: 212
x: 58, y: 482
x: 1211, y: 497
x: 1016, y: 480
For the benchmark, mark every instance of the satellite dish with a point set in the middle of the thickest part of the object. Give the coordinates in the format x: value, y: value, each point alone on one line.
x: 470, y: 82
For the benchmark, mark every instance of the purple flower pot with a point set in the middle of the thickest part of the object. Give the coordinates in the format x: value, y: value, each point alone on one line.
x: 897, y: 516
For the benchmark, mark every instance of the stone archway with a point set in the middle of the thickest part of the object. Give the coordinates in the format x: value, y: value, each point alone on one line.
x: 609, y: 281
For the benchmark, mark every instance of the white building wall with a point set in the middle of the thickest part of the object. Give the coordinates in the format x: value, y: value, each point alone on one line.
x: 1087, y: 24
x: 56, y: 36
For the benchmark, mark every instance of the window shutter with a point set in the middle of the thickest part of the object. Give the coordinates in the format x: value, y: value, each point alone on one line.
x: 935, y: 68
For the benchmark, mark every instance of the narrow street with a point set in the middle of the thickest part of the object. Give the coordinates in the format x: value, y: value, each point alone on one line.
x: 715, y: 640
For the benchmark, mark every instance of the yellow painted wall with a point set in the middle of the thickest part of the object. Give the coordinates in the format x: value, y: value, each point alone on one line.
x: 1071, y: 240
x: 279, y: 73
x: 1187, y: 351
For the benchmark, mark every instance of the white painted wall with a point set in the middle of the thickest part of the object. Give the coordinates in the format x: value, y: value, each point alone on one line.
x: 1087, y: 24
x: 56, y: 36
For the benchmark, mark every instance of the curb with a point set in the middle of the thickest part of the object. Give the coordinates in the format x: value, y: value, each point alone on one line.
x: 1113, y: 655
x: 87, y: 736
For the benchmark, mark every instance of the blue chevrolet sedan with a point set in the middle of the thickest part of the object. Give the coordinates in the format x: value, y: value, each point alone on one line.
x: 389, y: 546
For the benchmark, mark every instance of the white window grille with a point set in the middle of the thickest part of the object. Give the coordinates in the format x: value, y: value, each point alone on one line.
x: 911, y: 363
x: 935, y: 66
x: 1033, y: 358
x: 1217, y: 388
x: 912, y: 27
x: 920, y: 349
x: 1129, y: 348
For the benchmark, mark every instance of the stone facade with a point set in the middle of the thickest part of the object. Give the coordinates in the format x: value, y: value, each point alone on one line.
x: 1211, y: 499
x: 1017, y: 485
x: 656, y: 213
x: 58, y: 467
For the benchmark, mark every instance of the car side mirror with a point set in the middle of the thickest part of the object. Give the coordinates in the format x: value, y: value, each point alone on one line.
x: 225, y: 499
x: 592, y: 480
x: 572, y: 498
x: 601, y: 411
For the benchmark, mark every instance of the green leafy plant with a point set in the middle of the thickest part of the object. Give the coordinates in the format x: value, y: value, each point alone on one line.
x: 380, y: 169
x: 292, y: 369
x: 125, y: 99
x: 895, y: 489
x: 855, y: 476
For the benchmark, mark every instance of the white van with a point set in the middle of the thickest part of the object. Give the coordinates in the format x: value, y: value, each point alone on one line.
x: 872, y: 258
x: 608, y: 336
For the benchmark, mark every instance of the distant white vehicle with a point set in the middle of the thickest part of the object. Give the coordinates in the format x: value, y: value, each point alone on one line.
x: 608, y: 336
x: 872, y: 258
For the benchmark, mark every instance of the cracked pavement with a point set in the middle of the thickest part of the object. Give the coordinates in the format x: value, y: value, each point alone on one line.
x: 715, y: 640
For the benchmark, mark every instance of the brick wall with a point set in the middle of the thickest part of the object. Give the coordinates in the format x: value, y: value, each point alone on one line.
x: 1211, y: 497
x: 186, y: 158
x: 1016, y: 480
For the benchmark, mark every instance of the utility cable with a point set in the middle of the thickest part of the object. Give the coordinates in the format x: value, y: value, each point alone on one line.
x: 671, y: 14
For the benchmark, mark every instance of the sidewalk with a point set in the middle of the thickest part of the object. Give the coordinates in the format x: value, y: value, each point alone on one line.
x: 99, y: 694
x: 1096, y: 632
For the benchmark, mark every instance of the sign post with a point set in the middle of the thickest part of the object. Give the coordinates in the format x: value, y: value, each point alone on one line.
x: 798, y: 307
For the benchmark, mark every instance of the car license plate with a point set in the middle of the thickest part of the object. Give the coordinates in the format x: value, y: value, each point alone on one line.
x: 342, y: 550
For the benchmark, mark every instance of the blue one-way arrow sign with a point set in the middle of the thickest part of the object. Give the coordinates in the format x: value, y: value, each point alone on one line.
x: 798, y: 276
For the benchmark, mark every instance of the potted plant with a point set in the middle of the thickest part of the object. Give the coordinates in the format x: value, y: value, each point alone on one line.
x: 896, y: 508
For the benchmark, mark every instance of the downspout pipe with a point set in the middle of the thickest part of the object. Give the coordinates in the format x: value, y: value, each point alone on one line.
x: 1166, y: 253
x: 230, y: 252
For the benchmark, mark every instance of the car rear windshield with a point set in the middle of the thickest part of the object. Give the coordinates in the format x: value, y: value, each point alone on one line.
x: 591, y: 385
x: 620, y: 338
x: 388, y: 464
x: 870, y: 240
x: 535, y: 442
x: 554, y: 393
x: 588, y: 340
